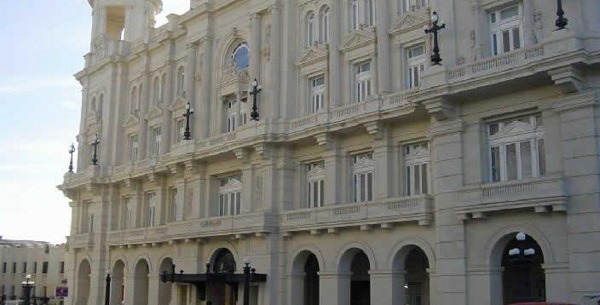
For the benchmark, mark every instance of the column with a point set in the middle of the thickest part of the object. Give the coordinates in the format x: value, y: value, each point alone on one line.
x: 485, y: 286
x: 129, y: 286
x: 386, y: 287
x: 447, y: 157
x: 204, y: 116
x: 247, y: 188
x: 273, y: 109
x: 143, y: 125
x: 190, y: 86
x: 334, y: 288
x: 383, y: 154
x: 383, y: 48
x: 295, y: 289
x: 335, y: 184
x: 153, y: 289
x: 255, y: 22
x: 335, y: 72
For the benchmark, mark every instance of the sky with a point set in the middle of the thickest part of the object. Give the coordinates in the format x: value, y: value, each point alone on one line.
x: 43, y: 44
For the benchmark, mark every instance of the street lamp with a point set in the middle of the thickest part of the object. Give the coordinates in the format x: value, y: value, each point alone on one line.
x: 27, y: 284
x: 561, y: 21
x: 435, y: 19
x: 95, y: 156
x: 187, y: 135
x: 107, y: 289
x: 71, y: 151
x: 256, y: 88
x: 519, y: 253
x: 246, y: 281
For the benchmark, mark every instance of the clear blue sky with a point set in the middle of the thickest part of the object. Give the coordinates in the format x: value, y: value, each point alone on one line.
x: 43, y: 43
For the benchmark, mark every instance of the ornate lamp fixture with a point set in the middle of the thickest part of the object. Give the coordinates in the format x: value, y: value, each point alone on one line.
x: 256, y: 88
x: 437, y: 25
x: 95, y: 156
x: 71, y: 151
x: 189, y: 111
x: 561, y: 21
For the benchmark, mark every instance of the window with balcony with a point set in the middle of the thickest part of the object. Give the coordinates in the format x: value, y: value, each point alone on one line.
x: 413, y: 5
x: 230, y: 200
x: 179, y: 130
x: 324, y: 24
x: 310, y: 29
x: 317, y: 93
x: 172, y: 205
x: 362, y: 14
x: 181, y: 81
x: 416, y: 169
x: 232, y: 108
x: 133, y: 147
x: 150, y: 217
x: 363, y: 167
x: 155, y: 139
x: 516, y: 148
x: 315, y: 177
x: 126, y: 213
x: 415, y: 63
x: 506, y: 27
x: 363, y: 81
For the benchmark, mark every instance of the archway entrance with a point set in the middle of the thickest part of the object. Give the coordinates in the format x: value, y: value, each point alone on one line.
x: 311, y: 280
x: 360, y: 284
x: 221, y: 292
x: 83, y: 285
x: 117, y: 287
x: 523, y: 279
x: 141, y: 283
x: 416, y: 278
x: 164, y: 288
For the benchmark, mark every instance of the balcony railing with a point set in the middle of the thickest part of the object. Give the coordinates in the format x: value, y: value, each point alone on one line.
x: 401, y: 209
x: 541, y: 194
x: 84, y: 240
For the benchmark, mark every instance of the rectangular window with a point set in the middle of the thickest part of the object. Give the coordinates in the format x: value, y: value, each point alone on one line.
x: 315, y: 177
x: 14, y: 268
x: 230, y: 199
x: 363, y: 169
x: 354, y: 15
x: 61, y: 267
x: 232, y: 109
x: 45, y: 267
x: 4, y: 267
x: 126, y: 213
x: 370, y: 12
x: 516, y: 148
x: 24, y: 267
x: 155, y: 139
x: 416, y: 164
x: 317, y: 94
x: 172, y: 212
x: 415, y: 63
x: 506, y: 27
x: 34, y: 267
x: 150, y: 219
x: 133, y: 147
x: 363, y: 80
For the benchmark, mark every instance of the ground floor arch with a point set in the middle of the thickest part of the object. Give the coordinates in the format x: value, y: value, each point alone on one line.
x: 83, y: 282
x: 117, y: 289
x: 141, y: 282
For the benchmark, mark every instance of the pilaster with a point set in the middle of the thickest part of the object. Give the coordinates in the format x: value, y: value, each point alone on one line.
x: 334, y: 288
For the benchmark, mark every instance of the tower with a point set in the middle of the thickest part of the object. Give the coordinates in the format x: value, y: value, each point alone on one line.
x: 128, y: 20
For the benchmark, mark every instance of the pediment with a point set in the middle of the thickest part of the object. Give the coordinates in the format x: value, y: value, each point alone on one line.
x: 317, y: 170
x: 153, y: 113
x: 516, y: 127
x: 364, y: 161
x: 358, y: 39
x: 409, y: 21
x: 132, y: 120
x: 312, y: 55
x: 419, y: 152
x: 178, y: 103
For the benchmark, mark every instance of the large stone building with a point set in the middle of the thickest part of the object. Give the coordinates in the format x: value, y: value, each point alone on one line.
x: 43, y: 261
x: 371, y: 176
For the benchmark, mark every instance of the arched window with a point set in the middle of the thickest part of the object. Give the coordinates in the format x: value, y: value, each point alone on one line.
x: 180, y: 80
x: 310, y: 28
x: 324, y: 24
x: 241, y: 56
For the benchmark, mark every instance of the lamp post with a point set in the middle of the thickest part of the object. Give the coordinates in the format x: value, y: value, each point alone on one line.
x: 95, y: 156
x: 187, y: 135
x: 256, y: 88
x: 561, y: 21
x: 107, y: 289
x: 27, y: 284
x: 246, y: 281
x: 71, y: 151
x: 435, y: 27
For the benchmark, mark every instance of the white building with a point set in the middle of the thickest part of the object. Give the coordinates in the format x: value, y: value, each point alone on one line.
x: 44, y: 262
x: 372, y: 176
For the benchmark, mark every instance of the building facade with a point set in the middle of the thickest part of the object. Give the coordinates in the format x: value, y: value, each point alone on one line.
x: 371, y: 177
x: 44, y: 262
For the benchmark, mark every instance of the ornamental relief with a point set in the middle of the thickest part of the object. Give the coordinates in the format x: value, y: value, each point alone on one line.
x: 410, y: 21
x: 312, y: 55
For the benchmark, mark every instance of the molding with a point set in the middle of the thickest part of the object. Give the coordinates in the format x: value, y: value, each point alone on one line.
x: 357, y: 39
x: 569, y: 79
x: 440, y: 108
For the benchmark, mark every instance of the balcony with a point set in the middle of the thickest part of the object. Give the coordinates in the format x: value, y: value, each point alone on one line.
x: 236, y: 226
x: 543, y: 194
x: 84, y: 240
x: 383, y: 213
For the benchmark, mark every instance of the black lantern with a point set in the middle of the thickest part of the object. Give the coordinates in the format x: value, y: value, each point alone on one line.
x: 71, y: 151
x: 256, y: 88
x: 95, y: 156
x: 189, y: 111
x: 561, y: 21
x: 27, y: 285
x: 435, y: 27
